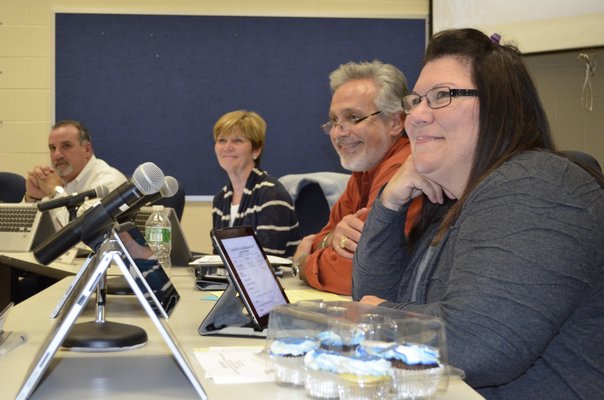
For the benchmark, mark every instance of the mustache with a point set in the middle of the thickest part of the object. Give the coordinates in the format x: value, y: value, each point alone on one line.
x: 343, y: 141
x: 61, y: 164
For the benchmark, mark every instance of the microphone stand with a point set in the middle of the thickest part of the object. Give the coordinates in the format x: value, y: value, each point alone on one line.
x: 73, y: 211
x: 103, y: 335
x: 100, y: 334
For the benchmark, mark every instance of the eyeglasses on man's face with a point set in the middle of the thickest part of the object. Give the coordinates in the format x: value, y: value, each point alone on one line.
x: 346, y: 123
x: 437, y: 97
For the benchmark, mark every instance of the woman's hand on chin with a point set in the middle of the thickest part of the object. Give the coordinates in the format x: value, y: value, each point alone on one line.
x: 408, y: 184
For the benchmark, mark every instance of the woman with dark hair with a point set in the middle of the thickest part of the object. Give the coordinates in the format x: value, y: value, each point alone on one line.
x: 509, y: 250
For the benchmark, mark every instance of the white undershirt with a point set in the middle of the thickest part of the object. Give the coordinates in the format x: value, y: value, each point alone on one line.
x: 234, y: 208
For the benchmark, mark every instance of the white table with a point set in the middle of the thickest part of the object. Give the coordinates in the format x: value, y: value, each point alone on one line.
x: 146, y: 373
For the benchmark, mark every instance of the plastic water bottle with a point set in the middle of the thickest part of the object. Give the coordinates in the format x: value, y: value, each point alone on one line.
x: 158, y: 234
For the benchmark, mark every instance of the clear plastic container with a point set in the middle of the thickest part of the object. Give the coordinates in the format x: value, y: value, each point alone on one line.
x: 354, y: 350
x: 158, y: 234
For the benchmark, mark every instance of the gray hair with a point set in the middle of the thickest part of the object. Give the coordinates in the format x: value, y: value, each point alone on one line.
x: 390, y: 81
x: 83, y: 133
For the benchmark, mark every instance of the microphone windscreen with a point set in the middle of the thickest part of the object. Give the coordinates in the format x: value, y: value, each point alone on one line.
x: 170, y: 187
x: 148, y: 178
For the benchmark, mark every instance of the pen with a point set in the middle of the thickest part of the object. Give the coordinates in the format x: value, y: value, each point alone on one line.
x: 14, y: 342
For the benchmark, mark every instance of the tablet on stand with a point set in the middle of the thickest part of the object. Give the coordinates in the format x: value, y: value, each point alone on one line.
x: 253, y: 288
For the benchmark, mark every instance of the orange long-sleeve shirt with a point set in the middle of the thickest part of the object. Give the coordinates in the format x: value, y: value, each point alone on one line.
x: 325, y: 269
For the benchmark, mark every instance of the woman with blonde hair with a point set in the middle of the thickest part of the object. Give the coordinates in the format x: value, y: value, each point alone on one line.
x: 251, y: 196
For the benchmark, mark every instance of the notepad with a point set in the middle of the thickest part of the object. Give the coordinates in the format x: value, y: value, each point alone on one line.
x: 233, y: 365
x: 215, y: 261
x: 296, y: 295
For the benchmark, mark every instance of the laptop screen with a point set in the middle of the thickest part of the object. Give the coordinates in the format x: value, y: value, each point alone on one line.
x: 181, y: 254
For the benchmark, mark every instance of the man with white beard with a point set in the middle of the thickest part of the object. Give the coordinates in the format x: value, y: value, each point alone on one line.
x: 365, y: 125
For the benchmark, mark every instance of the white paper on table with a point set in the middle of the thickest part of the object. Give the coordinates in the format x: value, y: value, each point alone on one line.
x: 227, y: 365
x: 215, y: 260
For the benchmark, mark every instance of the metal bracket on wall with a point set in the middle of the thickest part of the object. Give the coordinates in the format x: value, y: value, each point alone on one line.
x: 587, y: 97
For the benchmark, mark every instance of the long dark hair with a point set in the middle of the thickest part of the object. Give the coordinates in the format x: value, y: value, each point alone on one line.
x: 511, y: 118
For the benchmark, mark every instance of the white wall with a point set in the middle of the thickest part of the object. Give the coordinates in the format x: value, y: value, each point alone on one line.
x: 536, y: 25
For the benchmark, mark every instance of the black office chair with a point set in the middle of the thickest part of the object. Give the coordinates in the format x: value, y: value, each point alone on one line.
x: 177, y: 202
x: 582, y: 159
x: 12, y: 187
x: 312, y: 209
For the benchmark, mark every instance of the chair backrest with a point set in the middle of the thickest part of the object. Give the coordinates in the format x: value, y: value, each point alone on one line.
x: 177, y: 202
x: 333, y: 184
x: 12, y: 187
x: 313, y: 195
x: 582, y: 158
x: 312, y: 209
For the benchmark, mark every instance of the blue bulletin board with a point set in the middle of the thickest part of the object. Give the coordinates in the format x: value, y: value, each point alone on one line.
x: 151, y: 87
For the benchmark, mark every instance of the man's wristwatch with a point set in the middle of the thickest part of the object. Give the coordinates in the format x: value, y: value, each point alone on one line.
x: 55, y: 191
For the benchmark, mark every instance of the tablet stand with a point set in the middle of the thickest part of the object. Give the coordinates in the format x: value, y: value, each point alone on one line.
x: 227, y: 317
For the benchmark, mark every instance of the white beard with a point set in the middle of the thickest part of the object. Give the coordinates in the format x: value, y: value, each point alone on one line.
x: 64, y: 170
x: 365, y: 160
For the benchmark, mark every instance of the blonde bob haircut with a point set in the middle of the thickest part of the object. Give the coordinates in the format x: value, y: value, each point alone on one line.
x: 248, y: 123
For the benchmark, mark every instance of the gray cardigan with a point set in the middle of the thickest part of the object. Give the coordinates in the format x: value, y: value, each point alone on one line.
x: 518, y: 279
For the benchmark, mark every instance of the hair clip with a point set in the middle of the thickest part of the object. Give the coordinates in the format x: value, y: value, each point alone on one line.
x: 495, y: 38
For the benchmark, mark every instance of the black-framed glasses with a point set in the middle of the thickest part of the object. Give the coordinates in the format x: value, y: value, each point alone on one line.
x: 437, y: 97
x: 346, y: 123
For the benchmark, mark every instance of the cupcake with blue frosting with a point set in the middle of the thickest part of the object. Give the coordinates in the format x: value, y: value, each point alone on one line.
x: 287, y: 355
x: 416, y: 368
x: 320, y: 379
x: 364, y: 377
x: 331, y: 341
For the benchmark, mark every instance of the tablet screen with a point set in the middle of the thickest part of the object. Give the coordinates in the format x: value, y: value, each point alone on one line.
x: 253, y: 274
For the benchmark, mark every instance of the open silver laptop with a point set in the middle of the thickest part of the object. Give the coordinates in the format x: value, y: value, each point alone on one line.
x: 145, y: 287
x: 23, y: 227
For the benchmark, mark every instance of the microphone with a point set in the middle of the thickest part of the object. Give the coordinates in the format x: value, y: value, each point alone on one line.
x: 75, y: 199
x: 92, y: 226
x: 169, y: 189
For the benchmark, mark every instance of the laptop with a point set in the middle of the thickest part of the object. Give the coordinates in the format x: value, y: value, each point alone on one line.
x: 146, y: 285
x: 252, y: 286
x: 23, y: 227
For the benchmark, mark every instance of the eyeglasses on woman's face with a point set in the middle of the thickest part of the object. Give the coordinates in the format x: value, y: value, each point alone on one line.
x: 437, y: 97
